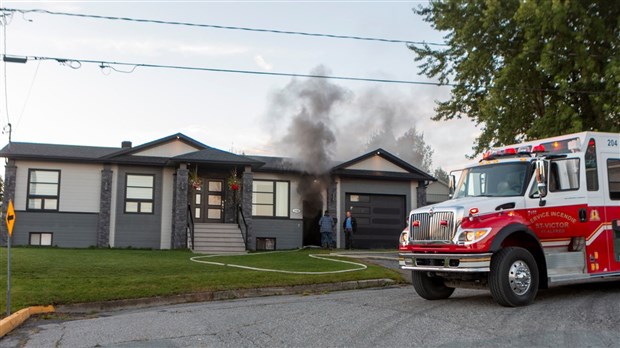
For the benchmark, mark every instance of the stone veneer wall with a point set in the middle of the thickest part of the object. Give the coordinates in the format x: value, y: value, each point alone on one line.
x: 332, y: 190
x: 421, y: 195
x: 246, y: 205
x: 179, y: 222
x: 105, y: 208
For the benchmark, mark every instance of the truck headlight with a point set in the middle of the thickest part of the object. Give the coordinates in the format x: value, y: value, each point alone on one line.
x: 404, y: 237
x: 470, y: 236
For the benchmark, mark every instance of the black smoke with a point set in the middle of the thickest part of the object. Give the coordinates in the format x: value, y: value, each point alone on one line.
x: 316, y: 121
x: 310, y: 138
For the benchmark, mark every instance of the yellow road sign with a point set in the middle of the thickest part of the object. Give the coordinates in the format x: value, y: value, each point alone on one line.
x: 10, y: 217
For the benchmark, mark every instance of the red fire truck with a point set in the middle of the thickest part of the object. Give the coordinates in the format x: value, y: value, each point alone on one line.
x: 527, y: 216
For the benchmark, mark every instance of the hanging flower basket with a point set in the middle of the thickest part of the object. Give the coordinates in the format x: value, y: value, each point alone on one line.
x: 233, y: 181
x: 194, y: 179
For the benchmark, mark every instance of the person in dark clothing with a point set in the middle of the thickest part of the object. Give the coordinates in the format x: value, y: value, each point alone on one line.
x: 326, y: 224
x: 349, y: 225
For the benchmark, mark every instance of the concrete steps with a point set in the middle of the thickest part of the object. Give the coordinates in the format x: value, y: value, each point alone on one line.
x: 218, y: 238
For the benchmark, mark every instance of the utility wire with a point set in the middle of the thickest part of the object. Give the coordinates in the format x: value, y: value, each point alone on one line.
x: 214, y: 26
x: 76, y: 63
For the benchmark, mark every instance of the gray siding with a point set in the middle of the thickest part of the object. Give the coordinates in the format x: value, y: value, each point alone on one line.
x: 288, y: 233
x: 70, y: 230
x: 138, y: 230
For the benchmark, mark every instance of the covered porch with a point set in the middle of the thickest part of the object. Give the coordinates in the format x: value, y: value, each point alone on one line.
x: 213, y: 202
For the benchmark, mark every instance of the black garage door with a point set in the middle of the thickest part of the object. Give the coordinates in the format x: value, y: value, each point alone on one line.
x: 380, y: 219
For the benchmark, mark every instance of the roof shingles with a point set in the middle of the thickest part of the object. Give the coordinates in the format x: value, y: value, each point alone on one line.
x: 207, y: 155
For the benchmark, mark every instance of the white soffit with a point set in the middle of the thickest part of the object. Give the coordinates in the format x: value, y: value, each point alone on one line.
x: 377, y: 163
x: 169, y: 149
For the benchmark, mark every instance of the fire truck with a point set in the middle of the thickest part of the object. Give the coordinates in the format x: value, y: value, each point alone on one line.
x: 525, y: 217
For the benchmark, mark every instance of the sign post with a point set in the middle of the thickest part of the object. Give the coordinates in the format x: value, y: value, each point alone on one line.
x: 10, y: 221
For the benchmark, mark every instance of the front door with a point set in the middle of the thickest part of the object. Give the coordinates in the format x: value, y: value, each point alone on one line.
x: 313, y: 210
x: 207, y: 201
x: 214, y: 202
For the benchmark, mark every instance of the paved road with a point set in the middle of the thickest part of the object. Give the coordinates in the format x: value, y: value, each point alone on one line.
x: 575, y: 316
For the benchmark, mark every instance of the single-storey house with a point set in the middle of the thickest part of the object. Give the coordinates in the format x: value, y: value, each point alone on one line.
x: 177, y: 192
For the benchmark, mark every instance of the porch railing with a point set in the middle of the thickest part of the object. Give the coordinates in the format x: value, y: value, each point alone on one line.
x: 244, y: 228
x: 190, y: 227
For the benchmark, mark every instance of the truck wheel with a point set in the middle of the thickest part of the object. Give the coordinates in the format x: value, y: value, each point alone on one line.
x: 430, y: 288
x: 514, y: 277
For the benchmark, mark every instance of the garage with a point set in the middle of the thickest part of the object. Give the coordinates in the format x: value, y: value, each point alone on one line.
x: 379, y: 189
x: 380, y: 219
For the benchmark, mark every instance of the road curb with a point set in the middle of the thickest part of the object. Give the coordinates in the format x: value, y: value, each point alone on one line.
x: 16, y: 319
x: 116, y: 305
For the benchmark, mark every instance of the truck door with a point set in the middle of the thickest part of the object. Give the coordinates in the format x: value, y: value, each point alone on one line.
x: 560, y: 214
x: 610, y: 165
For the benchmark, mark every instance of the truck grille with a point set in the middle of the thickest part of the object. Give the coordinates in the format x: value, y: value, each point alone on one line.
x: 438, y: 226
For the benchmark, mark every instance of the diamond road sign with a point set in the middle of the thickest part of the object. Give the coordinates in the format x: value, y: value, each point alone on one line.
x: 10, y: 217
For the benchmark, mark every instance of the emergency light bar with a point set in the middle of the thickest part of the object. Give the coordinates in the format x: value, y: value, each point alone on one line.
x: 557, y: 147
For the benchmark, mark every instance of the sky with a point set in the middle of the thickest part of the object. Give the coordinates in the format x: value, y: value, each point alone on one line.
x: 49, y: 102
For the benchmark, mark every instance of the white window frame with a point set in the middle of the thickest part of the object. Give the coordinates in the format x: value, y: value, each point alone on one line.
x: 40, y: 235
x: 279, y: 190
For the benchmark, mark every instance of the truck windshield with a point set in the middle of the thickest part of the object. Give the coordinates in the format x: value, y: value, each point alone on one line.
x: 495, y: 180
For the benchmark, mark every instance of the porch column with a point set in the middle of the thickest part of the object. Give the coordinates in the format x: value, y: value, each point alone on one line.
x: 421, y: 194
x: 105, y: 208
x: 332, y: 206
x: 246, y: 204
x: 10, y: 173
x: 179, y: 220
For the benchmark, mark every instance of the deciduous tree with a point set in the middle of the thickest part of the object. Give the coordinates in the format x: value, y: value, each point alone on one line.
x: 526, y: 69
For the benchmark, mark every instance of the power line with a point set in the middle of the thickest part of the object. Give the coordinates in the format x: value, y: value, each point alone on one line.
x: 76, y: 63
x: 214, y: 26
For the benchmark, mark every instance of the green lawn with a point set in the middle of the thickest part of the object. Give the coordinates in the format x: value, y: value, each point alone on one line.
x: 42, y: 276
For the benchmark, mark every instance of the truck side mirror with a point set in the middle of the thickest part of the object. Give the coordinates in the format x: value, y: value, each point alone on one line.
x: 451, y: 185
x: 541, y: 178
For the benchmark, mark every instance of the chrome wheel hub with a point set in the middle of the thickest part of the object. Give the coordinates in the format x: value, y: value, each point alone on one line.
x: 519, y: 277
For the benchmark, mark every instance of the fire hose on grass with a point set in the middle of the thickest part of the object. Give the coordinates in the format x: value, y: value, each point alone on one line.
x: 357, y: 266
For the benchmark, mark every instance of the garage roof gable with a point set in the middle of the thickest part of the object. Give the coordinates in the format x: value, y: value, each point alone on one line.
x: 381, y: 164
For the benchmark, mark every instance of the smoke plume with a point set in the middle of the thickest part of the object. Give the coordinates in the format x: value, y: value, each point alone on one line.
x: 310, y: 137
x: 316, y: 121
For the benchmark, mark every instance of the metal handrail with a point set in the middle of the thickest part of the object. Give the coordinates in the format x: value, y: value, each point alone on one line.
x: 245, y: 224
x: 190, y: 224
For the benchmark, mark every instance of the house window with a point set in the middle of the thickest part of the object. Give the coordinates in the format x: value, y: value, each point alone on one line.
x: 265, y: 244
x: 43, y: 189
x: 40, y: 238
x: 270, y: 198
x: 139, y: 194
x: 360, y: 198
